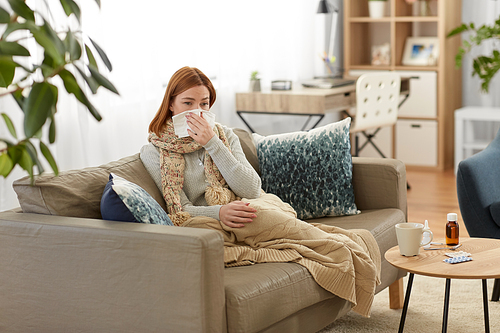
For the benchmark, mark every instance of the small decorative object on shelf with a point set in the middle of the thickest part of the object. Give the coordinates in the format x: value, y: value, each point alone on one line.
x: 254, y: 81
x: 376, y: 8
x: 381, y: 54
x: 424, y: 8
x: 421, y: 51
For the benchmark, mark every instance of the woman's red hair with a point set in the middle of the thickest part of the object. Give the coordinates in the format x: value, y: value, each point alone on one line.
x: 182, y: 80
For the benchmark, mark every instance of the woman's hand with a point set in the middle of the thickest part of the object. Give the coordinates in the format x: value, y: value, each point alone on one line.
x: 200, y: 130
x: 236, y: 213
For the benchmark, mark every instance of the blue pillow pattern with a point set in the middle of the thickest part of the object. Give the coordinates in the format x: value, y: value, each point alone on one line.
x: 128, y: 202
x: 312, y: 171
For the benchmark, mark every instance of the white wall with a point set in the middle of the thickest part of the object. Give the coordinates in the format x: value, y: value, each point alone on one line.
x: 148, y: 40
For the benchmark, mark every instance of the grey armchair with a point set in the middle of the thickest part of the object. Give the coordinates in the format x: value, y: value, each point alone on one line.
x: 478, y: 191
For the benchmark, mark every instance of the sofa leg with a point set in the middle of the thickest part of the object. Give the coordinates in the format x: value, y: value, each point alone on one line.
x: 396, y: 294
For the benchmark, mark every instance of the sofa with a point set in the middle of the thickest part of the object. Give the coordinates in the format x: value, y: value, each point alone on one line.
x: 65, y: 269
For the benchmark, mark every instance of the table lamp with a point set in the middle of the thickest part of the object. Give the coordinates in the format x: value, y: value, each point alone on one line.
x: 324, y: 8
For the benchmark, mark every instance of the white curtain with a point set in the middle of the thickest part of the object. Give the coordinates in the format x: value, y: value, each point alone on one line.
x: 480, y: 12
x: 148, y: 40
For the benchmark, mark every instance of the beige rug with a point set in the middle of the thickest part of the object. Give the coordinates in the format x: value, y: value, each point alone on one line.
x: 425, y: 311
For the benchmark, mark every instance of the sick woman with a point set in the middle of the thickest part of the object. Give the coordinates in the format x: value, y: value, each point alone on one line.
x: 207, y: 182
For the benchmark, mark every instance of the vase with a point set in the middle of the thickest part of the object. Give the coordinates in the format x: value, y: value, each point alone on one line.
x: 376, y: 9
x: 254, y: 85
x: 424, y: 8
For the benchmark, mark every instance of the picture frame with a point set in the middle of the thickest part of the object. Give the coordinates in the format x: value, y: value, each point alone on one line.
x: 421, y: 51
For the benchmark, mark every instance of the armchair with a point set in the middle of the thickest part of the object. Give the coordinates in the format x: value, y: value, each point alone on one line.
x: 478, y: 191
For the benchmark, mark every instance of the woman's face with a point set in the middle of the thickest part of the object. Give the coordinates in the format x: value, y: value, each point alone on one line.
x: 197, y: 97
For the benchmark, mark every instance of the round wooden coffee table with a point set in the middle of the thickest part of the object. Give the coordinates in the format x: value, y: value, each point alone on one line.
x: 484, y: 265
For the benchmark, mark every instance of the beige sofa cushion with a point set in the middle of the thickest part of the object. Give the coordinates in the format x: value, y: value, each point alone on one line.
x: 248, y: 147
x: 77, y: 193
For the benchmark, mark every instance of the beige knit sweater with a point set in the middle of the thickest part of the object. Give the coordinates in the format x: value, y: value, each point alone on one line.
x: 346, y: 263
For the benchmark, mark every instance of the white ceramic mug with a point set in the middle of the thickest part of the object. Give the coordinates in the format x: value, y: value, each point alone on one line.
x: 410, y: 237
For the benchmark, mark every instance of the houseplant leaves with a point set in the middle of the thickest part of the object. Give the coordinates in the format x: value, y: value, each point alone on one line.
x: 67, y: 56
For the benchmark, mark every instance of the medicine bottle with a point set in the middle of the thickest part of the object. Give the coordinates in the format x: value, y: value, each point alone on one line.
x: 452, y: 229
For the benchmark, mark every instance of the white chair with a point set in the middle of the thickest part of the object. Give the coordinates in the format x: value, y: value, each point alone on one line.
x: 377, y: 99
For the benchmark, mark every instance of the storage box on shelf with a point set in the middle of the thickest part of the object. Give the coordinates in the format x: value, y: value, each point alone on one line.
x: 435, y: 91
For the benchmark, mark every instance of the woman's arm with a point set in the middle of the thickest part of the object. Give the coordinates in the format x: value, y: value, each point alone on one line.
x: 208, y: 211
x: 234, y: 167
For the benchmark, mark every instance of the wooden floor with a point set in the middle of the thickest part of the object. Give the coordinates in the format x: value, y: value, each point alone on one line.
x: 431, y: 196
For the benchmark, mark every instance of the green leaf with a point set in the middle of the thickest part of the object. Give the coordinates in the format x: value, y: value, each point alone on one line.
x: 458, y: 30
x: 52, y: 131
x: 19, y: 98
x: 6, y: 165
x: 26, y: 162
x: 7, y: 71
x: 98, y: 3
x: 103, y: 55
x: 34, y: 156
x: 21, y: 9
x: 15, y: 153
x: 59, y: 44
x: 72, y: 46
x: 37, y: 107
x: 13, y: 49
x: 48, y: 156
x: 102, y: 80
x: 70, y: 7
x: 38, y: 135
x: 49, y: 45
x: 92, y: 84
x: 4, y: 16
x: 48, y: 65
x: 73, y: 87
x: 10, y: 125
x: 14, y: 26
x: 90, y: 57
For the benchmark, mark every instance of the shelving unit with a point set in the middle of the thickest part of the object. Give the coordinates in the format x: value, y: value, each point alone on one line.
x: 401, y: 21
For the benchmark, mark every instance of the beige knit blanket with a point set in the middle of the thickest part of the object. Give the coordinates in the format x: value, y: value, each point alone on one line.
x: 346, y: 263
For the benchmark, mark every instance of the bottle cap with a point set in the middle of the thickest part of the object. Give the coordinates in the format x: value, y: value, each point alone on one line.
x: 452, y: 216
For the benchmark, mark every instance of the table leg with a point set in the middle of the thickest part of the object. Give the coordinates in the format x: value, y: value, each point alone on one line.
x: 405, y: 306
x: 446, y: 305
x: 485, y: 307
x: 244, y: 121
x: 317, y: 122
x: 496, y: 291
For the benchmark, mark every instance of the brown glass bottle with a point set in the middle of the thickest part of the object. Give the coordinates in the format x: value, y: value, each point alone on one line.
x: 452, y: 230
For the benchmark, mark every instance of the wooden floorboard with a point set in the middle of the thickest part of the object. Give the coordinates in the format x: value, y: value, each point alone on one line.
x: 431, y: 196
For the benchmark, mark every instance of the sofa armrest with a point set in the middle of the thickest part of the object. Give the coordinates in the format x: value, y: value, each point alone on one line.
x: 74, y: 274
x: 379, y: 183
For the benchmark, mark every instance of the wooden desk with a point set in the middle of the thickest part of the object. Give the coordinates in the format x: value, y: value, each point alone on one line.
x: 302, y: 101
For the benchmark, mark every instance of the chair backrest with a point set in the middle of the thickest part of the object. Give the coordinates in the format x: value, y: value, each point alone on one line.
x: 377, y: 98
x: 478, y: 191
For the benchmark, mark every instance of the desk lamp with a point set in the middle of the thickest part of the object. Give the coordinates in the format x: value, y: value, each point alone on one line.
x: 325, y: 8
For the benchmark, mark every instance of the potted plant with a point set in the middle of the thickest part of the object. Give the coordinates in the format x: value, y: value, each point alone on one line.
x: 254, y: 81
x: 483, y: 66
x: 376, y: 8
x: 69, y: 56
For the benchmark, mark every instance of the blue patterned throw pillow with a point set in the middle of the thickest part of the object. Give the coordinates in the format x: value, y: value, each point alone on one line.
x: 128, y: 202
x: 312, y: 171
